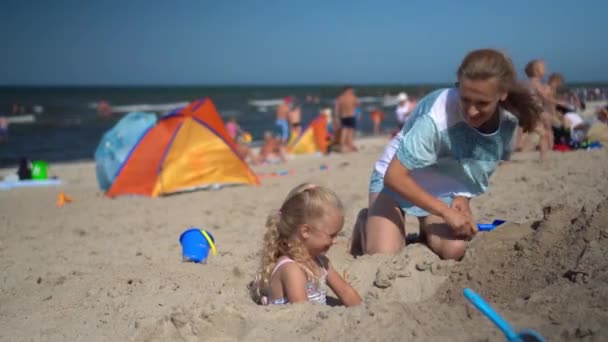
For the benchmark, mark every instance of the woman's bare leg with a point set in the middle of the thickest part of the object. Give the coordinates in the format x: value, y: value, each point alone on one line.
x: 441, y: 239
x: 385, y: 227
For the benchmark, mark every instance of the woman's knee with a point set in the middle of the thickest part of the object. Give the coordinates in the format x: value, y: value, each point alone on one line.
x: 441, y: 239
x: 452, y: 249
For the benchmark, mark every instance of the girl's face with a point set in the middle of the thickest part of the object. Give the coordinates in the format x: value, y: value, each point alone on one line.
x: 479, y: 100
x: 319, y: 238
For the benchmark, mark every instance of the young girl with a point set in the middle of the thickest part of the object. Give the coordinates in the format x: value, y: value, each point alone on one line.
x: 445, y: 155
x: 294, y: 266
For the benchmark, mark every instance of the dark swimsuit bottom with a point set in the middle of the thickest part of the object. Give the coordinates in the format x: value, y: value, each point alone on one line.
x: 349, y: 122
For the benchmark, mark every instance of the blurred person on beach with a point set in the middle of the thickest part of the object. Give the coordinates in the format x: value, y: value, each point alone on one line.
x: 329, y: 117
x: 346, y: 107
x: 24, y: 172
x: 602, y: 114
x: 332, y: 142
x: 561, y: 95
x: 574, y: 123
x: 18, y: 109
x: 444, y: 156
x: 294, y: 118
x: 295, y: 267
x: 336, y: 125
x: 104, y: 109
x: 233, y: 128
x: 377, y: 117
x: 246, y: 153
x: 403, y: 110
x: 3, y: 129
x: 244, y: 150
x: 272, y: 151
x: 281, y: 122
x: 535, y: 71
x: 599, y: 127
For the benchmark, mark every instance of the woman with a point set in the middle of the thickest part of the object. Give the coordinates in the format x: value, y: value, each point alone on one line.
x: 445, y: 155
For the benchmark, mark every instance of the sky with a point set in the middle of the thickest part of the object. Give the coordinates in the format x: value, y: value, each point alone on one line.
x: 204, y: 42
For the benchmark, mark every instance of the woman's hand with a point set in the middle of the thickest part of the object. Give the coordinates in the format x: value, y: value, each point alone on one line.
x: 461, y: 222
x: 461, y: 204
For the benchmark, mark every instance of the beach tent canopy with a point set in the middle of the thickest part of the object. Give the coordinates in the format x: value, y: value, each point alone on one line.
x: 117, y: 143
x: 312, y: 139
x: 187, y: 149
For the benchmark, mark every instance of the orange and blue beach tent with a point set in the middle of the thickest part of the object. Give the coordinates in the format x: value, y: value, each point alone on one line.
x: 186, y: 149
x: 312, y: 139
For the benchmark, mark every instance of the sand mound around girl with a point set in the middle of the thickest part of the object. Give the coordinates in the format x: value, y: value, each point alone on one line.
x: 550, y: 275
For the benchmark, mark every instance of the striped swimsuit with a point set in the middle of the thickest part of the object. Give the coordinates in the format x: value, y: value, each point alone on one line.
x: 315, y: 289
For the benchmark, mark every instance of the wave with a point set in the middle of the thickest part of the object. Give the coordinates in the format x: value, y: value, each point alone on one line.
x: 21, y: 119
x: 263, y: 105
x: 145, y: 107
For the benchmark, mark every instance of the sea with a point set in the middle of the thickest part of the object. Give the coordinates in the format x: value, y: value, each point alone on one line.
x: 61, y: 124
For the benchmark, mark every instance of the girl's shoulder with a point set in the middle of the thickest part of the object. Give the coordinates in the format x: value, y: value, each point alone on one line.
x: 281, y: 262
x: 286, y: 264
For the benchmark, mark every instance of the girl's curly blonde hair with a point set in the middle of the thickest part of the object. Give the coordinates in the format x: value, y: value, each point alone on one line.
x: 305, y: 204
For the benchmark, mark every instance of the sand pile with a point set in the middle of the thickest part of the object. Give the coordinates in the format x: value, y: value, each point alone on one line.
x: 556, y: 274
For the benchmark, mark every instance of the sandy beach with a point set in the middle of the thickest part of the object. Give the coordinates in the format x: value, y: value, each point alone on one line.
x: 102, y: 269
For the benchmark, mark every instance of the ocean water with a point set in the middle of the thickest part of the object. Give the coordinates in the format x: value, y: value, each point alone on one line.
x: 67, y: 126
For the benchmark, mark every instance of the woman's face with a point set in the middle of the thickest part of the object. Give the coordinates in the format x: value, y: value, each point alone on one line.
x: 479, y: 100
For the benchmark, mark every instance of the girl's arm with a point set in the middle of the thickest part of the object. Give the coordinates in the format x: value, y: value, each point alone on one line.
x: 347, y: 294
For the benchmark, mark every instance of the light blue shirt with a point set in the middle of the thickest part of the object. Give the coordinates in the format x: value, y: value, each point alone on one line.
x: 445, y: 155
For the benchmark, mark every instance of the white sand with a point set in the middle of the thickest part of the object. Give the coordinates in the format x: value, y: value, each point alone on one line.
x: 111, y: 270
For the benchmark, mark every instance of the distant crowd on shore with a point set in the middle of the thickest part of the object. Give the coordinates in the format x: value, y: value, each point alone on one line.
x: 562, y: 126
x: 342, y: 120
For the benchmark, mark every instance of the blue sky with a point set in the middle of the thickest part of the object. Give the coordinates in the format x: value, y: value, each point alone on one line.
x: 134, y: 42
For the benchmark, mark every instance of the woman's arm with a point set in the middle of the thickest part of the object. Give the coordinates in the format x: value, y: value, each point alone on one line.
x: 461, y: 203
x: 346, y: 293
x: 398, y: 179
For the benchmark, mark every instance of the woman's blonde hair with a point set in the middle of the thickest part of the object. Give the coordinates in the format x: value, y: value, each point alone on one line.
x: 486, y: 64
x: 305, y: 204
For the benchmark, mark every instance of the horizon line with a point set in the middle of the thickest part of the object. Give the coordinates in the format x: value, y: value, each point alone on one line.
x: 236, y: 85
x: 325, y: 84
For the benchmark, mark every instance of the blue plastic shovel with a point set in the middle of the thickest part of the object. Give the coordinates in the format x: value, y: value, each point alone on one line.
x: 486, y: 227
x: 525, y: 335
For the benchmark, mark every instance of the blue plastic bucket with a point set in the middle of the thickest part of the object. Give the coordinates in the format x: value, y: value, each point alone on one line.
x: 195, y: 246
